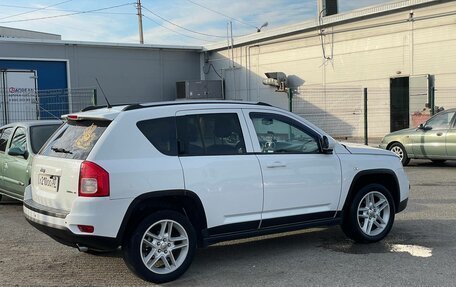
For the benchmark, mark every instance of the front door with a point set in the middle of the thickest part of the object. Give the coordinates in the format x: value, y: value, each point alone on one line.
x: 15, y: 166
x: 215, y: 151
x: 300, y: 182
x: 4, y: 138
x: 430, y: 142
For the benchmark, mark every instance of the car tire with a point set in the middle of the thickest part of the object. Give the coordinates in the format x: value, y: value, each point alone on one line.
x: 154, y: 254
x: 370, y: 214
x: 399, y: 149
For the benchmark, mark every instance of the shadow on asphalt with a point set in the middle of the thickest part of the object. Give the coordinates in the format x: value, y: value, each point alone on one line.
x: 430, y: 164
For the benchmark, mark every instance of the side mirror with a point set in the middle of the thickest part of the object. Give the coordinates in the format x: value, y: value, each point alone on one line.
x: 15, y: 151
x: 424, y: 127
x: 327, y: 145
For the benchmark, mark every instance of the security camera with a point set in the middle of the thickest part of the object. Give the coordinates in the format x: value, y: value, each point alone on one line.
x: 276, y: 79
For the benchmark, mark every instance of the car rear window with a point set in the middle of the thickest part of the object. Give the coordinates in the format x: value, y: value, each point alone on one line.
x: 161, y: 133
x: 40, y: 134
x: 76, y: 139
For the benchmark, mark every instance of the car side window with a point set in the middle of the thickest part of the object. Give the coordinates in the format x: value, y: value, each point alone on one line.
x: 441, y: 121
x: 19, y: 140
x: 210, y: 134
x: 161, y: 133
x: 278, y: 134
x: 4, y: 138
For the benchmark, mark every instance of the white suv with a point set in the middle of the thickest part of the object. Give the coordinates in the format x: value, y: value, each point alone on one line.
x: 162, y: 179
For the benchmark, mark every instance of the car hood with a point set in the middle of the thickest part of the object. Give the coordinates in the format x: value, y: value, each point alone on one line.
x: 363, y: 149
x: 401, y: 132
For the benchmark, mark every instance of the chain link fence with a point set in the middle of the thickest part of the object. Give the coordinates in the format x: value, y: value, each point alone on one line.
x: 341, y: 111
x: 44, y: 104
x: 337, y: 110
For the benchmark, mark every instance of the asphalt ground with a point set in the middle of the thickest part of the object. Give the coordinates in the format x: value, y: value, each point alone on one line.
x: 419, y: 251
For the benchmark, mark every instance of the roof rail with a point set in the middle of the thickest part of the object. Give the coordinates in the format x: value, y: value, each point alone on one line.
x: 161, y: 104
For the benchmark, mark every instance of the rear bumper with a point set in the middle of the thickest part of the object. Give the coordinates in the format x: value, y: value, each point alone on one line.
x: 66, y: 237
x: 52, y: 222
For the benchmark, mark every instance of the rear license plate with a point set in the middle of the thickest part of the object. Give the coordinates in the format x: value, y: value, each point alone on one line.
x: 48, y: 182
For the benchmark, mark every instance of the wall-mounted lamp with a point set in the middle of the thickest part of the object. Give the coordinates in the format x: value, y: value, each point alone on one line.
x: 265, y: 24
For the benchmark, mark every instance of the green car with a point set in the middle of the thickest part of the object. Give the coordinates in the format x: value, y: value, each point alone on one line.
x: 435, y: 139
x: 19, y: 142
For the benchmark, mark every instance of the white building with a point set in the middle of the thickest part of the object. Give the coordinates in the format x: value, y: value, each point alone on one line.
x: 399, y: 51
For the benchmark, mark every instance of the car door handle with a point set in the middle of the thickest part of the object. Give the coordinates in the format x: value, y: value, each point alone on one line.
x: 5, y: 165
x: 276, y: 164
x: 439, y: 134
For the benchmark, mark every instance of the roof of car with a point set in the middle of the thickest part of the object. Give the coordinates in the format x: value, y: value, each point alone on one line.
x: 109, y: 113
x: 33, y: 123
x: 129, y: 107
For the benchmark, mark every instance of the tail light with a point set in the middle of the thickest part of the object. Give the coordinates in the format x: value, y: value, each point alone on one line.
x: 93, y: 180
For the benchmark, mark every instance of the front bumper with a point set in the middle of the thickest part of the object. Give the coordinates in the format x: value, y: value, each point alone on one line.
x: 402, y: 205
x: 50, y: 221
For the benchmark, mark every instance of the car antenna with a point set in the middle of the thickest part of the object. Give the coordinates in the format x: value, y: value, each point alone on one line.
x: 106, y: 99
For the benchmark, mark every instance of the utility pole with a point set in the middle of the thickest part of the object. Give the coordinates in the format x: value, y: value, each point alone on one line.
x: 141, y: 36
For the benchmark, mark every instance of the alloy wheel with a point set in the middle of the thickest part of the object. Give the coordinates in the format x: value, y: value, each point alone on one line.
x: 373, y: 213
x: 164, y: 246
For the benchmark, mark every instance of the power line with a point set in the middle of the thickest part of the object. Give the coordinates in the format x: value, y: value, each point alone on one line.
x: 35, y: 10
x: 64, y: 15
x: 177, y: 32
x: 174, y: 24
x: 220, y: 13
x: 67, y: 10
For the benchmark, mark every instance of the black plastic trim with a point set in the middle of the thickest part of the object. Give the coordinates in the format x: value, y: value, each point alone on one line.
x: 91, y: 108
x: 142, y: 106
x: 270, y: 230
x: 402, y: 205
x: 232, y: 228
x: 68, y: 238
x: 157, y: 194
x: 49, y: 211
x: 297, y: 219
x: 370, y: 172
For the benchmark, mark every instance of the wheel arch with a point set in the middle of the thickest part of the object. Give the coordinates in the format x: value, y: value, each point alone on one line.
x: 407, y: 147
x: 385, y: 177
x: 184, y: 201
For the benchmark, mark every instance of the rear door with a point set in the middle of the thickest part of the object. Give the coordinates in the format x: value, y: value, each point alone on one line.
x: 300, y: 182
x: 55, y: 172
x: 216, y: 155
x: 451, y: 141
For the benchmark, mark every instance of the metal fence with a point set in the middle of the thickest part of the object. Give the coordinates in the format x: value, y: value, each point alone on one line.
x: 363, y: 115
x: 44, y: 104
x: 337, y: 110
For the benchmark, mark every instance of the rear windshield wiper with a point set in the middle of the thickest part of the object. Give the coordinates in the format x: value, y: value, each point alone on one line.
x: 61, y: 149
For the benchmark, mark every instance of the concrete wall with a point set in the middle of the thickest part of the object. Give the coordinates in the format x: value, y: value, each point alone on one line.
x: 364, y: 52
x: 127, y: 73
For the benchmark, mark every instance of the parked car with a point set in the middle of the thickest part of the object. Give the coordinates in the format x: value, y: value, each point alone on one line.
x: 435, y: 139
x: 19, y: 142
x: 162, y: 179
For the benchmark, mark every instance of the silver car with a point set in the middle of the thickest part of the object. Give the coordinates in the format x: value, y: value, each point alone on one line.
x: 435, y: 139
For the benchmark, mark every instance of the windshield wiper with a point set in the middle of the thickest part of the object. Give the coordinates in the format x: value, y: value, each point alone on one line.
x: 61, y: 149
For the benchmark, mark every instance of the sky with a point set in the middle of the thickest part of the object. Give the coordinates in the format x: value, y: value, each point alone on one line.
x: 167, y: 22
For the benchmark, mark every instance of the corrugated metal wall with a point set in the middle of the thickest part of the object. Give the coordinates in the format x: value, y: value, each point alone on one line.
x: 128, y: 74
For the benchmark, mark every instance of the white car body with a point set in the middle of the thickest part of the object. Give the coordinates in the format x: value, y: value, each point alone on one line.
x: 255, y: 192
